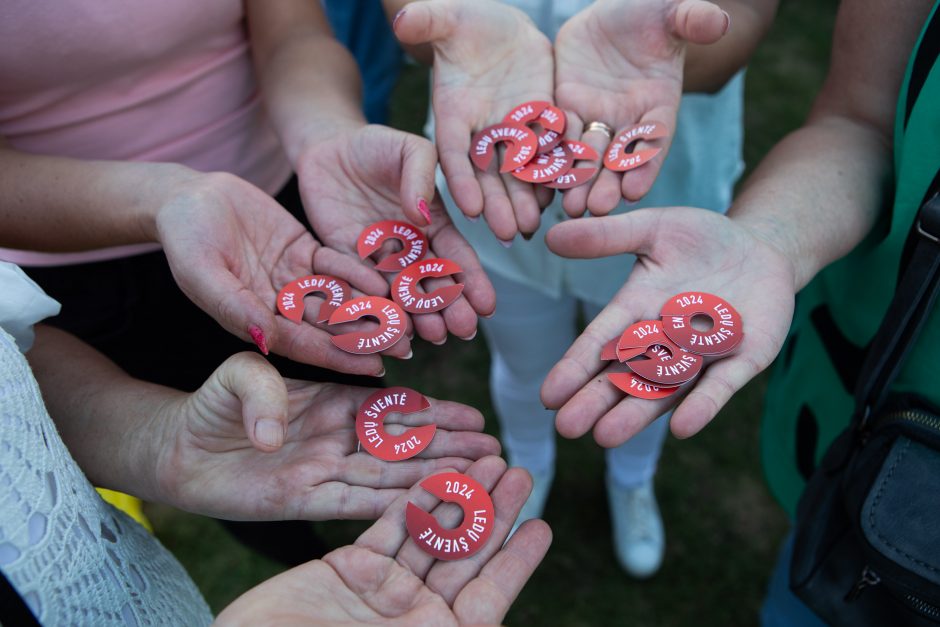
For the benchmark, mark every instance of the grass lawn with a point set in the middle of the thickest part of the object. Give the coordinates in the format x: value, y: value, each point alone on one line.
x: 722, y: 527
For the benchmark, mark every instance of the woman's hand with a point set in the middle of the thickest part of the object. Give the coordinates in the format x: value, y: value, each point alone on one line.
x: 385, y: 578
x: 488, y: 58
x: 621, y: 62
x: 231, y: 248
x: 249, y: 445
x: 678, y: 249
x: 357, y: 178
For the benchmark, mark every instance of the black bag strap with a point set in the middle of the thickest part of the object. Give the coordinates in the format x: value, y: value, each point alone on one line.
x: 913, y: 300
x: 13, y: 609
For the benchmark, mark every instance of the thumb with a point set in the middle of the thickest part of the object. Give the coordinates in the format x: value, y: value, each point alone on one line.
x: 699, y: 22
x: 419, y: 160
x: 263, y: 395
x: 589, y: 238
x: 425, y: 22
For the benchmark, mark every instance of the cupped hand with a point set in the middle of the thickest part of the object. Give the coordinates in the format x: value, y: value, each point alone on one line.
x: 488, y: 58
x: 620, y: 62
x: 375, y: 173
x: 678, y: 249
x: 384, y: 577
x: 231, y: 248
x: 249, y: 445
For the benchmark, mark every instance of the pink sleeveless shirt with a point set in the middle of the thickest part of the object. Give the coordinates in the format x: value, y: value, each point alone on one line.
x: 134, y: 80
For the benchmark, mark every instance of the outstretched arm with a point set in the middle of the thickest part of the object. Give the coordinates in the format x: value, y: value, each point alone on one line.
x: 811, y: 201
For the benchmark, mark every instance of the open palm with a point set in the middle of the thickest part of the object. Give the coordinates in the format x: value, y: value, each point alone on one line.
x: 384, y: 578
x: 245, y: 446
x: 621, y: 62
x: 356, y: 179
x: 488, y: 58
x: 678, y: 249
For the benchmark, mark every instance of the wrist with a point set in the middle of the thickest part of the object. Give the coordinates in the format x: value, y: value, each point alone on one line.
x: 319, y: 130
x: 165, y: 184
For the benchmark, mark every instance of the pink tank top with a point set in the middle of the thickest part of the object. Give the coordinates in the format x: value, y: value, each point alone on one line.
x: 138, y: 80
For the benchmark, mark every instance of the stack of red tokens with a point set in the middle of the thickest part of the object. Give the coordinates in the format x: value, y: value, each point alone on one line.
x: 546, y: 157
x: 664, y: 354
x: 412, y: 268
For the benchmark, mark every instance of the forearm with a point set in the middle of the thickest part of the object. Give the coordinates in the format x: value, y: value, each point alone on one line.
x: 309, y: 82
x: 709, y: 67
x: 107, y: 419
x: 59, y: 204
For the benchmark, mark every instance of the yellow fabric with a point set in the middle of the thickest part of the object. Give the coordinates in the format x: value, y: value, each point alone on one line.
x: 130, y: 505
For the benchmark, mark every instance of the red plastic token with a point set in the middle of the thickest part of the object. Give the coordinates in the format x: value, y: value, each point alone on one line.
x: 406, y: 294
x: 547, y: 167
x: 576, y: 176
x: 609, y: 350
x: 618, y: 159
x: 673, y: 366
x: 550, y: 118
x: 634, y: 385
x: 390, y: 331
x: 522, y: 146
x: 290, y: 300
x: 372, y: 434
x: 726, y: 330
x: 414, y: 244
x: 470, y: 536
x: 639, y: 337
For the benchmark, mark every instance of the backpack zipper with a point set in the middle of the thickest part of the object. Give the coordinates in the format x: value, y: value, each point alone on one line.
x: 867, y: 578
x: 911, y: 415
x: 919, y: 605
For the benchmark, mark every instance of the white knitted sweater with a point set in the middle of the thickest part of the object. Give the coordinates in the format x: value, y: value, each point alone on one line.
x: 73, y: 558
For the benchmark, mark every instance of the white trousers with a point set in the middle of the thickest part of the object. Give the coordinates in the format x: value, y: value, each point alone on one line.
x: 528, y: 335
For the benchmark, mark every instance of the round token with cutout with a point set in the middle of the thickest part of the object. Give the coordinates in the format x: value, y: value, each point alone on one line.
x: 723, y: 334
x: 371, y: 431
x: 390, y: 331
x: 617, y: 158
x: 479, y: 517
x: 414, y: 244
x: 521, y: 140
x: 405, y: 286
x: 290, y: 300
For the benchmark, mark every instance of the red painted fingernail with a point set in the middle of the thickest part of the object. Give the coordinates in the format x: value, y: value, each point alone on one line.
x: 258, y: 336
x: 397, y: 17
x: 423, y: 210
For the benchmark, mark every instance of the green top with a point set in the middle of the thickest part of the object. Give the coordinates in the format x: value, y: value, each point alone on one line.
x: 810, y: 398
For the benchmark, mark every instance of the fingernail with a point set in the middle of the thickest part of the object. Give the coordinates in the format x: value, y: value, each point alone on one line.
x: 410, y: 354
x: 472, y: 218
x: 441, y: 343
x: 269, y: 432
x: 470, y: 337
x: 505, y: 242
x: 490, y: 315
x: 397, y: 17
x: 727, y: 22
x: 423, y: 210
x: 381, y: 374
x: 258, y: 336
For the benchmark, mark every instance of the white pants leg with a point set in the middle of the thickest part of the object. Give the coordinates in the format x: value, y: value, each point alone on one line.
x: 528, y: 335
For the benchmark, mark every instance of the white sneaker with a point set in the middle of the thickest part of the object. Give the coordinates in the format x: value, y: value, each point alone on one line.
x: 535, y: 505
x: 639, y: 539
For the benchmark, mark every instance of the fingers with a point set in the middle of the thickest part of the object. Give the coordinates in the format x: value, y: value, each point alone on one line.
x: 263, y: 395
x: 351, y: 269
x: 633, y: 232
x: 574, y: 201
x: 486, y: 599
x: 453, y: 144
x: 478, y: 290
x: 310, y: 345
x: 425, y: 22
x: 699, y: 22
x: 419, y: 162
x: 636, y: 183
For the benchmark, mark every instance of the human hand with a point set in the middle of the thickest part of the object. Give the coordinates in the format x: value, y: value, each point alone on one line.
x: 231, y: 248
x: 621, y: 62
x: 678, y: 249
x: 488, y: 58
x: 249, y: 445
x: 355, y: 179
x: 385, y: 578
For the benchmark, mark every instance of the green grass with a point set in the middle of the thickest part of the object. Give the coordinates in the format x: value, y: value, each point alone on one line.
x: 722, y: 527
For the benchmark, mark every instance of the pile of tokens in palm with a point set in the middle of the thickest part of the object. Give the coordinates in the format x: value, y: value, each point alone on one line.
x: 339, y: 306
x: 662, y: 355
x: 537, y: 151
